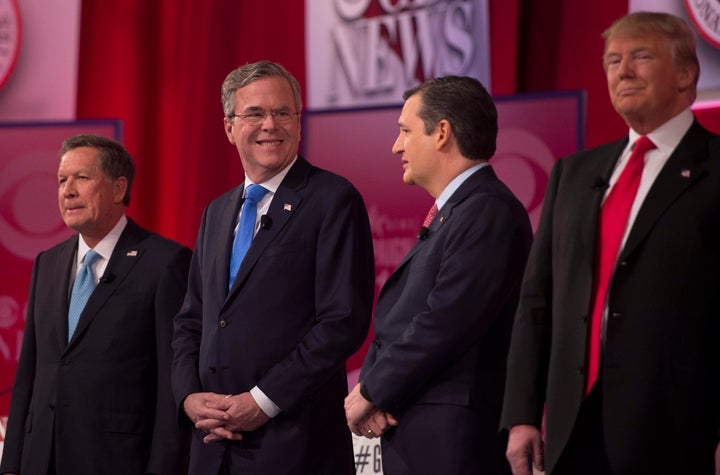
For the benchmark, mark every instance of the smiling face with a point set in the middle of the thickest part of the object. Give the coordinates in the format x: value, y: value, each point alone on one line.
x: 265, y: 148
x: 646, y: 86
x: 90, y: 202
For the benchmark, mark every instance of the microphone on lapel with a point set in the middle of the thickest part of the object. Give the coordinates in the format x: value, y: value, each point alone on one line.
x: 106, y: 278
x: 265, y: 222
x: 423, y: 233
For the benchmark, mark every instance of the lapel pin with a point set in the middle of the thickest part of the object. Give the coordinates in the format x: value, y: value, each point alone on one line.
x: 287, y: 207
x: 442, y: 219
x: 685, y: 173
x: 132, y: 254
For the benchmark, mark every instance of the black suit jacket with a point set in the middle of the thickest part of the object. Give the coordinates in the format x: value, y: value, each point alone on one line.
x: 101, y: 403
x: 442, y: 329
x: 661, y: 366
x: 300, y: 305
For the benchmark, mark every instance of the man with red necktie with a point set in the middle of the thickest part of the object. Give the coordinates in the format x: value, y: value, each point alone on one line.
x: 616, y: 332
x: 432, y: 381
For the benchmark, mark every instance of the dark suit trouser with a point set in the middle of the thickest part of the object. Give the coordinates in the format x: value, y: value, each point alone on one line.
x: 585, y: 452
x: 443, y: 440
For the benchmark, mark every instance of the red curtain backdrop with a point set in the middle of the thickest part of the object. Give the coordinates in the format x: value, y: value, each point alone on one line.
x: 158, y: 66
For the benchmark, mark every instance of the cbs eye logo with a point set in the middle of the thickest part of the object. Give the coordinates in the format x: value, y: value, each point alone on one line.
x: 523, y: 161
x: 29, y: 218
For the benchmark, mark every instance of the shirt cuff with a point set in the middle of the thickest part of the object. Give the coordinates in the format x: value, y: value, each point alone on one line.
x: 268, y: 407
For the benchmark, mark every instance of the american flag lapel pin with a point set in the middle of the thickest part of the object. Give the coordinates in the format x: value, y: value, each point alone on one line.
x: 287, y: 207
x: 685, y: 173
x: 132, y: 254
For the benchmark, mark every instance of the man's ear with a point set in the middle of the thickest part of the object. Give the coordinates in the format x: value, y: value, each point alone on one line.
x: 443, y: 133
x: 120, y: 186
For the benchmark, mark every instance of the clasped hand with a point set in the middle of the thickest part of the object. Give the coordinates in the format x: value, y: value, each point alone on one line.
x: 363, y: 418
x: 224, y: 416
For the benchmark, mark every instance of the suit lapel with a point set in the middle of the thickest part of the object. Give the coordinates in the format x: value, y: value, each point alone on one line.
x: 128, y: 251
x: 681, y: 171
x: 477, y: 179
x: 593, y: 183
x: 226, y: 236
x: 63, y: 267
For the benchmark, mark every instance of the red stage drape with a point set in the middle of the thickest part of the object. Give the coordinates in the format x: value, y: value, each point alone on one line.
x: 158, y: 66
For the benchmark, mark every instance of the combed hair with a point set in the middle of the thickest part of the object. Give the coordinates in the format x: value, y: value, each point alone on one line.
x: 468, y: 107
x: 248, y: 73
x: 115, y: 161
x: 679, y: 34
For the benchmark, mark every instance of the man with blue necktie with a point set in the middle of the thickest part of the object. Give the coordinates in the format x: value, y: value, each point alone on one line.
x: 279, y: 296
x: 92, y: 389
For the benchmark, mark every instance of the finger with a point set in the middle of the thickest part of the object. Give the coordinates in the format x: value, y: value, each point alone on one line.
x: 214, y: 437
x: 355, y: 429
x: 210, y: 413
x: 219, y: 404
x: 375, y: 427
x: 224, y: 433
x: 208, y: 424
x: 391, y: 419
x: 539, y: 455
x: 211, y: 438
x: 371, y: 434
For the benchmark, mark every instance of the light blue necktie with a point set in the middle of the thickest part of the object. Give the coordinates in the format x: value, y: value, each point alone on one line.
x: 246, y: 228
x: 82, y: 288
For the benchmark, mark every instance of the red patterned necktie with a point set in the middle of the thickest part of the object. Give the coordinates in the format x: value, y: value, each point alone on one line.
x: 611, y: 227
x: 430, y: 216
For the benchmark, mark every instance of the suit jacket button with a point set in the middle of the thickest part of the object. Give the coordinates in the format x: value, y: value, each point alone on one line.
x: 51, y: 407
x: 580, y: 370
x: 223, y: 323
x: 212, y: 369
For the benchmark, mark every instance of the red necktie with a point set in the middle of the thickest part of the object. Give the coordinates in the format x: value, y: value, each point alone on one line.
x: 611, y: 227
x: 430, y: 216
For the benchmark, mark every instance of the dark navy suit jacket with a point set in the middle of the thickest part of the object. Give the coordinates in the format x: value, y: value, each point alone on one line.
x: 299, y: 307
x: 101, y: 403
x: 442, y: 329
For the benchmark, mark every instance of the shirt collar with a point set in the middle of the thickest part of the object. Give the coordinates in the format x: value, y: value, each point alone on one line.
x: 456, y: 182
x: 273, y: 183
x: 668, y: 136
x: 106, y: 246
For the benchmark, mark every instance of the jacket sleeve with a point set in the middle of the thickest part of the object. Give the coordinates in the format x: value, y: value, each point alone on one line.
x: 529, y: 352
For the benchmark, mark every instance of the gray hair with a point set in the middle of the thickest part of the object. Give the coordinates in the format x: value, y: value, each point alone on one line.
x: 248, y: 73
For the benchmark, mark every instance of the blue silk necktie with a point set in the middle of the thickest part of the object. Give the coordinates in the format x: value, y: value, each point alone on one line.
x: 81, y: 291
x: 246, y: 228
